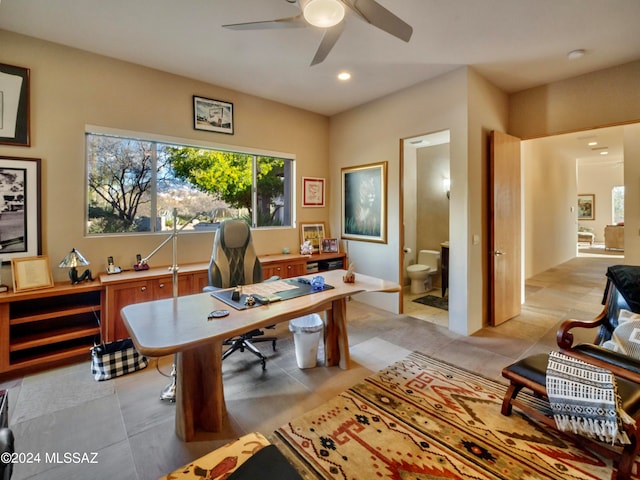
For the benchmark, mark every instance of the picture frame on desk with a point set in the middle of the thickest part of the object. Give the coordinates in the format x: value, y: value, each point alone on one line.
x: 329, y: 245
x: 313, y: 232
x: 31, y: 273
x: 20, y: 212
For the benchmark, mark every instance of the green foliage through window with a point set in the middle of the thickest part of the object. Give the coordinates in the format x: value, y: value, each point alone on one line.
x: 132, y: 181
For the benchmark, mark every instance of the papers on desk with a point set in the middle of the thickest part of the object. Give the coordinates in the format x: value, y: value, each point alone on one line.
x: 267, y: 292
x: 268, y: 289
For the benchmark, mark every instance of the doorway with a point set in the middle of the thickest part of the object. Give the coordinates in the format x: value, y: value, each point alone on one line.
x: 559, y: 170
x: 425, y: 166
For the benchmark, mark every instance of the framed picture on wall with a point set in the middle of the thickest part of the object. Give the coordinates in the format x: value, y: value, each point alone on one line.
x: 364, y: 202
x: 20, y: 185
x: 586, y: 206
x: 312, y: 192
x: 14, y: 105
x: 212, y: 115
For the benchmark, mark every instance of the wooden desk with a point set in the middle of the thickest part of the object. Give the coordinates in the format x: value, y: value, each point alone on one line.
x: 180, y: 325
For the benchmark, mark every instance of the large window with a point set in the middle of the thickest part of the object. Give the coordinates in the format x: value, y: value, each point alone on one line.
x: 134, y: 185
x: 617, y: 203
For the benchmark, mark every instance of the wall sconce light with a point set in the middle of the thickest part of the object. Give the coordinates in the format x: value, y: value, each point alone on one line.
x: 446, y: 183
x: 75, y: 259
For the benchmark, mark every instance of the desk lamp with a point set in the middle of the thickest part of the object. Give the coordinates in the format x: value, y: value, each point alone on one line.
x: 75, y: 259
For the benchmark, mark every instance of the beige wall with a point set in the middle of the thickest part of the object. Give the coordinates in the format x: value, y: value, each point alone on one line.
x: 432, y: 202
x: 607, y: 97
x: 71, y: 88
x: 549, y: 205
x: 598, y: 99
x: 632, y: 194
x: 469, y: 107
x: 372, y: 133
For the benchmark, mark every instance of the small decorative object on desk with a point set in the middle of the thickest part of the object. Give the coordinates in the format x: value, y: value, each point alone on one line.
x: 350, y: 276
x: 306, y: 248
x: 317, y: 282
x: 109, y: 360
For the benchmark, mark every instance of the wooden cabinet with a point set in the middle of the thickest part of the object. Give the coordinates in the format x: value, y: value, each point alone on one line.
x: 289, y: 265
x: 284, y: 266
x: 45, y: 327
x: 135, y: 287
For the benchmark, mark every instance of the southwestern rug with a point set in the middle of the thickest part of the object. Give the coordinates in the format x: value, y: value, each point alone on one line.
x: 433, y: 301
x: 422, y: 418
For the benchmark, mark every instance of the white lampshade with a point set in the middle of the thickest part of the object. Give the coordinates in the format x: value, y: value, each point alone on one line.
x: 324, y: 13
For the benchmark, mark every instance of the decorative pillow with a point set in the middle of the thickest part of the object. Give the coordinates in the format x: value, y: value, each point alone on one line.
x: 220, y: 463
x: 625, y: 338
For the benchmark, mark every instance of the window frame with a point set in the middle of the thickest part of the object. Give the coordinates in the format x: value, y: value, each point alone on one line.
x: 189, y: 143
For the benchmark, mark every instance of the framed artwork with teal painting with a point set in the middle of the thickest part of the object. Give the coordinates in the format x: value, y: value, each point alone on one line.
x: 364, y: 202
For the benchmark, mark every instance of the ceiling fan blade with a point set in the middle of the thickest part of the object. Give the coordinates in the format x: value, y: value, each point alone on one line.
x: 289, y: 22
x: 377, y: 15
x: 329, y: 39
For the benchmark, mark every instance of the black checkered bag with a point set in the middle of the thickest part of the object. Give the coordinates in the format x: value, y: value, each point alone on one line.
x: 109, y: 360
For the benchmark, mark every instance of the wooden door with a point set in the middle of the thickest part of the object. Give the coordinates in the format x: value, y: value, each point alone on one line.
x: 505, y: 226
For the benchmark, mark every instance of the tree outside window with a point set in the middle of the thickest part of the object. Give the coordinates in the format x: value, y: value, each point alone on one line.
x: 132, y: 181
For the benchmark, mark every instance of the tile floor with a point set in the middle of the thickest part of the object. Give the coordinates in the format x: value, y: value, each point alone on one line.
x: 64, y: 410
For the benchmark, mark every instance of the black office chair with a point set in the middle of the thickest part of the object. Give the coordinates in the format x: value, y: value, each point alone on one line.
x: 234, y: 262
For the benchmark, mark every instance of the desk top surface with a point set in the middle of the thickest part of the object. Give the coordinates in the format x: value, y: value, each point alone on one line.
x: 162, y: 327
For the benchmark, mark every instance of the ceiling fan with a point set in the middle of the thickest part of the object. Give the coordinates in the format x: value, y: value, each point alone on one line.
x: 329, y: 15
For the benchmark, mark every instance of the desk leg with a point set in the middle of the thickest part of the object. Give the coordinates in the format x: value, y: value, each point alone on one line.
x: 336, y: 340
x: 199, y: 394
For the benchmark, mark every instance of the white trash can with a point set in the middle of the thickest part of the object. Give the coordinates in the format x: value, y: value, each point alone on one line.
x: 307, y: 331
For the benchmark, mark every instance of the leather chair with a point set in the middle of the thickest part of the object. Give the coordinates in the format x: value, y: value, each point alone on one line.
x: 234, y: 262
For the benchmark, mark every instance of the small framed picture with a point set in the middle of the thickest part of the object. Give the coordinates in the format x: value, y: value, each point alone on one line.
x: 31, y: 273
x: 212, y: 115
x: 586, y: 206
x: 14, y: 105
x: 312, y: 192
x: 314, y: 232
x: 329, y: 245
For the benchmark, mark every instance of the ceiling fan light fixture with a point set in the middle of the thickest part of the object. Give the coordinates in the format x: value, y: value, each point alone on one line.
x: 323, y: 13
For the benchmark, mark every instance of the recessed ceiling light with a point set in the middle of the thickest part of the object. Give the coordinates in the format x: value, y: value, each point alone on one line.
x: 592, y: 144
x: 604, y: 153
x: 344, y: 76
x: 575, y: 54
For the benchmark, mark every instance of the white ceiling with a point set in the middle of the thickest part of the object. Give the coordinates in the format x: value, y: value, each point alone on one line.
x: 516, y: 44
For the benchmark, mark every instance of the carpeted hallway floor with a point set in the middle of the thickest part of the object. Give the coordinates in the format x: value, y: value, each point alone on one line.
x: 123, y: 420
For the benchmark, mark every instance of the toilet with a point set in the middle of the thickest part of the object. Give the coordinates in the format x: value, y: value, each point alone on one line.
x: 421, y: 273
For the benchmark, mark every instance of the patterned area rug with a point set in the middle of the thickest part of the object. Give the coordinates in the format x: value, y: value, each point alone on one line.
x: 421, y: 418
x: 433, y: 301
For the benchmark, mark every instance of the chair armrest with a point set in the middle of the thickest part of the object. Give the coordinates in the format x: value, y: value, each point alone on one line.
x: 619, y: 364
x: 564, y: 337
